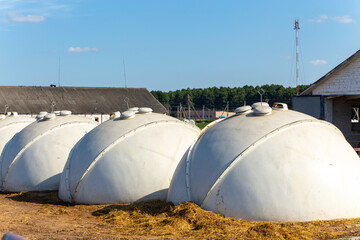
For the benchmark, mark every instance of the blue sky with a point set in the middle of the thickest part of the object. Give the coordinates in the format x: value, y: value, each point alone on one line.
x: 173, y: 44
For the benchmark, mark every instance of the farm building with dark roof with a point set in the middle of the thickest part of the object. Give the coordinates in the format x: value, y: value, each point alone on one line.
x: 96, y: 101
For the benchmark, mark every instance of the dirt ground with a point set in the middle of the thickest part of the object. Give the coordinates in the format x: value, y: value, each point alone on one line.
x: 41, y: 215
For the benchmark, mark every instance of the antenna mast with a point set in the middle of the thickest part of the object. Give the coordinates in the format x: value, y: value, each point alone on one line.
x: 296, y: 28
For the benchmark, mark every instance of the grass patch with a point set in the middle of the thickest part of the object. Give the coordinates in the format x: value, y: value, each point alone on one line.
x: 202, y: 123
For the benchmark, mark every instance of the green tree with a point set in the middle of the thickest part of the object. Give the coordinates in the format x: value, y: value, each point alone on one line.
x: 215, y: 97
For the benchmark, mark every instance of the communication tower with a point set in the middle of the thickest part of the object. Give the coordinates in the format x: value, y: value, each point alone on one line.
x: 296, y: 28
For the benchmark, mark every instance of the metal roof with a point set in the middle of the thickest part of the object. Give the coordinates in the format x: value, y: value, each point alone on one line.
x: 79, y: 100
x: 309, y: 90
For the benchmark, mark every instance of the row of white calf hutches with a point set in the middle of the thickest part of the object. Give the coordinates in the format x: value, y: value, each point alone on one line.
x: 262, y: 164
x: 129, y: 158
x: 267, y: 164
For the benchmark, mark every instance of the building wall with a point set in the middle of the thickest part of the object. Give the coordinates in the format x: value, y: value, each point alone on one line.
x: 310, y: 105
x: 343, y: 82
x: 342, y: 115
x: 328, y: 109
x: 340, y: 91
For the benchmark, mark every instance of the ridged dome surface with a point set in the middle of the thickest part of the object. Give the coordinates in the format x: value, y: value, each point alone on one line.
x: 282, y: 166
x: 126, y: 159
x: 11, y: 125
x: 35, y: 157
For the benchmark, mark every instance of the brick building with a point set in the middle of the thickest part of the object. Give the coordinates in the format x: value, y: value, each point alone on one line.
x: 336, y: 98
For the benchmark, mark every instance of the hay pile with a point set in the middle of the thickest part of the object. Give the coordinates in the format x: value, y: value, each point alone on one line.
x: 188, y: 220
x: 41, y: 215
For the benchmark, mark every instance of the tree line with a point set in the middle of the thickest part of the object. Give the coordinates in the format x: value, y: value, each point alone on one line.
x: 219, y: 97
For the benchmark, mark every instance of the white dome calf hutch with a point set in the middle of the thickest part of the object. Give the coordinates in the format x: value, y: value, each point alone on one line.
x: 271, y: 165
x: 126, y: 159
x: 10, y: 125
x: 35, y: 157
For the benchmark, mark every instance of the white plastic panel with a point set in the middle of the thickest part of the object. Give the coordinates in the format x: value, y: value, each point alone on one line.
x: 10, y: 126
x: 35, y: 157
x: 123, y: 161
x: 285, y: 166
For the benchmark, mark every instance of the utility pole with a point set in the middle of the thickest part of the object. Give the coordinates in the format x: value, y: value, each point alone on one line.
x: 227, y: 109
x: 180, y: 111
x: 189, y: 105
x: 203, y: 112
x: 296, y: 28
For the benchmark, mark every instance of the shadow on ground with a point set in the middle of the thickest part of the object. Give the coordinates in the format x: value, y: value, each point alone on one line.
x: 41, y: 197
x: 150, y: 207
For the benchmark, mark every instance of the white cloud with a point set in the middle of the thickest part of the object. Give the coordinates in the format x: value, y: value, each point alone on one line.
x: 5, y: 7
x: 30, y: 10
x: 79, y: 49
x: 320, y: 19
x: 17, y: 17
x: 318, y: 62
x: 59, y: 6
x: 339, y: 19
x: 7, y: 4
x: 344, y: 19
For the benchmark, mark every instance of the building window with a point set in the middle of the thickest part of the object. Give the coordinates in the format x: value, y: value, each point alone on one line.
x: 355, y: 114
x: 355, y: 118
